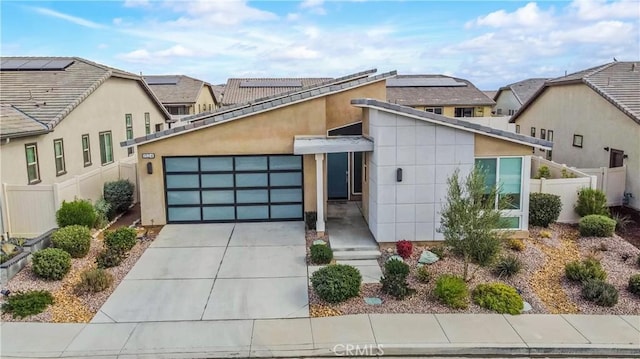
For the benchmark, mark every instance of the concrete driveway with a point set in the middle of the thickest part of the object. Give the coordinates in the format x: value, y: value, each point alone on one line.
x: 215, y: 271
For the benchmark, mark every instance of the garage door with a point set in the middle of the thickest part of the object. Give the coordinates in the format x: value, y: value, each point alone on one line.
x: 233, y: 188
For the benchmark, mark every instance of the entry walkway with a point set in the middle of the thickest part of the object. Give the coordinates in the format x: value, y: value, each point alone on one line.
x: 475, y: 335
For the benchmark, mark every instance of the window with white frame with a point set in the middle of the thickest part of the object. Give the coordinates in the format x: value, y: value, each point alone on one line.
x: 86, y: 150
x: 436, y: 110
x: 147, y: 123
x: 58, y: 153
x: 106, y: 148
x: 129, y: 124
x: 508, y: 174
x: 33, y: 171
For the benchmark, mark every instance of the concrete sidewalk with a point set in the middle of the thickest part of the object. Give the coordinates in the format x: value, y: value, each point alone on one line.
x: 363, y: 335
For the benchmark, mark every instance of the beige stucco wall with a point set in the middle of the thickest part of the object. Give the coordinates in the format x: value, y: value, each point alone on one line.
x: 507, y: 101
x: 450, y: 111
x: 103, y: 110
x: 491, y: 146
x: 338, y: 107
x: 577, y: 109
x: 204, y: 99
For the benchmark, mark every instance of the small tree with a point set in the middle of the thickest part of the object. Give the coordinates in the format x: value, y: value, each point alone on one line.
x: 470, y: 219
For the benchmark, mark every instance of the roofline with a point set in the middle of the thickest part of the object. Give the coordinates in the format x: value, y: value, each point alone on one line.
x: 216, y: 118
x: 447, y: 104
x: 25, y: 134
x: 453, y: 122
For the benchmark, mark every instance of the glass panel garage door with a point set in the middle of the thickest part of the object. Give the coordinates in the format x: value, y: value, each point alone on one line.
x: 233, y: 188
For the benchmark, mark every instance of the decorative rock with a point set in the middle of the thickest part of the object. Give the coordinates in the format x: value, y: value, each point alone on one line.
x: 428, y: 257
x: 319, y: 241
x: 526, y: 307
x: 395, y: 257
x: 419, y: 265
x: 373, y: 300
x: 389, y: 250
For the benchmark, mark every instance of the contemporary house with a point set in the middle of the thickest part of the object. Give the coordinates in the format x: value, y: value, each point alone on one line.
x: 439, y: 94
x: 184, y: 95
x: 59, y: 119
x: 593, y: 119
x: 286, y: 157
x: 510, y: 98
x: 244, y: 90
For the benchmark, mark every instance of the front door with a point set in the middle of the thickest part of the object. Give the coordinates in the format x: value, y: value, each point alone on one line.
x: 337, y: 172
x: 616, y: 158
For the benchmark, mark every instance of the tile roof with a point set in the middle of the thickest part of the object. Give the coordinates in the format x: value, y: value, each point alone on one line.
x: 465, y: 95
x: 14, y: 123
x: 523, y: 90
x: 236, y: 90
x: 176, y: 89
x: 49, y: 96
x: 454, y: 122
x: 243, y: 110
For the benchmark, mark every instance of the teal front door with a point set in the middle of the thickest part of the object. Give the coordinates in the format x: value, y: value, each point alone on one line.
x: 337, y: 170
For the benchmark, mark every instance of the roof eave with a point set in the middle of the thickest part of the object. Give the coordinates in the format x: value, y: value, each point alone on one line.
x: 5, y: 137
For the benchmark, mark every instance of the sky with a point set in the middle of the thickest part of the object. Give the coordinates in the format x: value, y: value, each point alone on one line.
x: 491, y: 43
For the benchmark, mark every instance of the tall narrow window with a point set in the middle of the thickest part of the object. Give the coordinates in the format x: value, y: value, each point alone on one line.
x: 33, y: 172
x: 158, y: 127
x: 147, y: 123
x: 129, y: 124
x: 543, y: 134
x: 106, y: 148
x: 507, y: 174
x: 517, y: 128
x: 533, y: 132
x: 58, y: 153
x: 550, y: 135
x: 86, y: 150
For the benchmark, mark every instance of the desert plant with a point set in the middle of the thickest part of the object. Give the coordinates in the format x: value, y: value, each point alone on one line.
x: 103, y: 211
x: 110, y: 257
x: 51, y: 263
x: 321, y: 254
x: 591, y: 201
x: 544, y: 209
x: 516, y: 244
x: 394, y: 279
x: 634, y: 284
x: 595, y: 225
x: 508, y: 266
x: 439, y: 250
x: 546, y: 233
x: 589, y: 268
x: 543, y: 172
x: 336, y: 282
x: 119, y: 194
x: 75, y: 240
x: 498, y: 297
x: 452, y: 291
x: 404, y: 248
x: 24, y: 304
x: 94, y: 280
x: 623, y: 222
x: 423, y: 275
x: 78, y: 212
x: 122, y: 239
x: 566, y: 174
x: 600, y: 292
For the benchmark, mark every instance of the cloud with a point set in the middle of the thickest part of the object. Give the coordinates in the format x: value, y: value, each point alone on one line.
x: 73, y: 19
x: 136, y: 3
x: 205, y: 12
x: 314, y: 6
x: 603, y: 32
x: 601, y: 9
x: 528, y: 16
x: 103, y: 46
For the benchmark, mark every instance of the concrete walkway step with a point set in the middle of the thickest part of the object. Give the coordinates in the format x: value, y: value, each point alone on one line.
x: 359, y: 262
x: 356, y: 255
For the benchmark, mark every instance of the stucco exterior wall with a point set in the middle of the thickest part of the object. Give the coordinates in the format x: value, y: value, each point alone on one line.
x: 338, y: 106
x: 103, y: 110
x: 491, y: 146
x: 450, y: 111
x: 505, y: 102
x: 577, y: 109
x: 204, y: 100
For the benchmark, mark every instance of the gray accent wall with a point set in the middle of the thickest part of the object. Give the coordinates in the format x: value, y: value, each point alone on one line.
x: 427, y: 154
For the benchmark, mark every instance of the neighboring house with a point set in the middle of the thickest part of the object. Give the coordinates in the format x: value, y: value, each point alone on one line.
x: 439, y: 94
x: 510, y: 98
x: 244, y: 90
x: 285, y: 157
x: 593, y: 119
x: 59, y: 119
x: 184, y: 95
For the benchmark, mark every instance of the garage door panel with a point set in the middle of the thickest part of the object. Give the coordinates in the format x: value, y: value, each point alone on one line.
x: 218, y: 213
x: 189, y: 214
x: 285, y: 211
x: 183, y: 197
x: 216, y: 164
x: 285, y: 179
x: 217, y: 197
x: 251, y: 180
x: 286, y: 195
x: 217, y: 180
x: 183, y: 181
x: 181, y: 164
x: 250, y: 163
x: 252, y: 196
x: 285, y: 163
x: 252, y: 212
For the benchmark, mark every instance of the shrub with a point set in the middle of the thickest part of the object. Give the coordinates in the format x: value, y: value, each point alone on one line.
x: 600, y: 292
x: 516, y: 244
x: 452, y: 291
x: 589, y: 268
x: 94, y: 280
x: 543, y: 172
x: 336, y: 282
x: 508, y: 266
x: 623, y: 222
x: 634, y: 284
x: 103, y: 211
x: 566, y: 174
x: 423, y: 275
x: 439, y: 250
x: 122, y: 239
x: 75, y: 240
x: 595, y: 225
x: 119, y: 194
x: 110, y: 258
x: 544, y: 209
x: 51, y: 263
x: 591, y: 201
x: 394, y: 280
x: 78, y: 212
x: 498, y: 297
x: 404, y: 248
x: 321, y: 254
x: 546, y: 234
x: 24, y: 304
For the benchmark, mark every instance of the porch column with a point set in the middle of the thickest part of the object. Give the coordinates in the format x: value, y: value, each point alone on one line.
x: 319, y: 193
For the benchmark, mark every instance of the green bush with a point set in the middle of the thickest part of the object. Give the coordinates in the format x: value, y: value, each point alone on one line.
x: 589, y: 268
x: 595, y: 225
x: 452, y: 291
x: 119, y: 194
x: 336, y: 282
x: 321, y: 254
x: 122, y: 239
x: 423, y: 275
x: 394, y: 279
x: 78, y: 212
x: 110, y: 258
x: 543, y: 172
x: 51, y: 263
x: 508, y: 266
x: 24, y: 304
x: 75, y: 240
x: 591, y: 201
x: 498, y: 297
x: 544, y: 209
x: 103, y: 211
x: 516, y: 244
x: 439, y: 250
x: 94, y: 280
x: 600, y: 292
x: 634, y: 284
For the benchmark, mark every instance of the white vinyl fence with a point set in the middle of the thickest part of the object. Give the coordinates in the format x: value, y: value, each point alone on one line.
x: 611, y: 181
x: 31, y: 210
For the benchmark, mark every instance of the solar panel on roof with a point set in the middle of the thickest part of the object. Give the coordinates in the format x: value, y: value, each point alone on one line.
x: 58, y: 64
x: 424, y: 82
x: 13, y: 64
x: 35, y: 64
x: 162, y: 80
x: 271, y: 83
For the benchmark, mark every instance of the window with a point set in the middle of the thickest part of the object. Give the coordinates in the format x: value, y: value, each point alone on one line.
x: 86, y: 150
x: 129, y: 124
x: 550, y: 135
x: 209, y: 107
x: 199, y: 109
x: 517, y: 128
x: 499, y: 112
x: 436, y: 110
x: 58, y: 153
x: 543, y: 134
x: 147, y: 123
x: 106, y: 148
x: 507, y: 173
x: 533, y: 132
x: 512, y: 112
x: 158, y: 127
x: 33, y: 172
x: 577, y: 141
x: 464, y: 112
